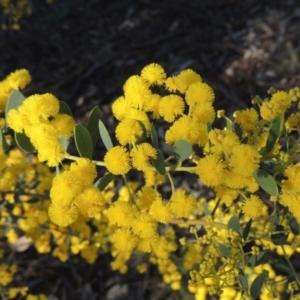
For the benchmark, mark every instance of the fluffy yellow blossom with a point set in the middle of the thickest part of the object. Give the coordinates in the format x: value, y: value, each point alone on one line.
x: 90, y: 202
x: 141, y: 154
x: 117, y: 160
x: 65, y: 187
x: 154, y: 74
x: 120, y: 108
x: 45, y: 106
x: 247, y: 119
x: 144, y: 225
x: 186, y: 78
x: 172, y: 84
x: 226, y: 194
x: 19, y: 79
x: 152, y: 106
x: 170, y: 107
x: 127, y: 131
x: 253, y: 207
x: 203, y: 112
x: 121, y: 213
x: 292, y: 122
x: 189, y: 129
x: 124, y: 240
x: 17, y: 119
x: 84, y: 169
x: 211, y: 170
x: 145, y: 197
x: 281, y: 100
x: 182, y: 204
x: 160, y: 211
x: 223, y: 141
x: 244, y: 159
x: 136, y: 91
x: 63, y: 214
x: 278, y: 104
x: 199, y: 92
x: 64, y: 124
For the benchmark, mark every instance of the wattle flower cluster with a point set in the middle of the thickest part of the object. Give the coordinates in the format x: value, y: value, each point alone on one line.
x: 73, y: 192
x: 39, y: 118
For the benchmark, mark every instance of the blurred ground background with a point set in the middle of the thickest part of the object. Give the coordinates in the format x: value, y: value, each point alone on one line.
x: 83, y: 51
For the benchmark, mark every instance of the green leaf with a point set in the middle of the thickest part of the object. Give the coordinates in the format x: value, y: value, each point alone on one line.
x: 247, y: 229
x: 282, y: 266
x: 143, y: 137
x: 294, y: 225
x: 234, y: 224
x: 256, y: 260
x: 279, y: 237
x: 83, y: 141
x: 257, y: 285
x: 274, y: 133
x: 205, y: 207
x: 64, y: 142
x: 92, y: 124
x: 275, y: 217
x: 3, y: 141
x: 15, y: 99
x: 23, y: 142
x: 182, y: 150
x: 159, y: 163
x: 154, y: 137
x: 266, y: 182
x: 64, y: 108
x: 224, y: 250
x: 57, y: 170
x: 229, y: 125
x: 105, y: 136
x: 208, y: 127
x: 243, y: 279
x: 102, y: 183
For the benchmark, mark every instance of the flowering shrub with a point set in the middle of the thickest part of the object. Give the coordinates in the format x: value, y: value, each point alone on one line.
x: 225, y: 245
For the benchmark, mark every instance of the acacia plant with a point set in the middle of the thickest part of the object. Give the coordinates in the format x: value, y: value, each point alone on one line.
x: 237, y: 245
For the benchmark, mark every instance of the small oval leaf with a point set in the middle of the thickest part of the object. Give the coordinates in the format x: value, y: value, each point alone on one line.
x: 15, y: 99
x: 266, y: 182
x: 234, y: 224
x: 105, y: 136
x: 102, y: 183
x: 182, y: 150
x: 64, y: 108
x: 154, y: 137
x: 224, y: 250
x: 257, y: 285
x: 92, y: 124
x: 282, y: 266
x: 143, y: 137
x: 23, y: 142
x: 274, y: 133
x: 256, y: 260
x: 159, y: 163
x: 243, y: 279
x: 247, y: 229
x: 294, y: 225
x: 83, y: 141
x: 3, y: 141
